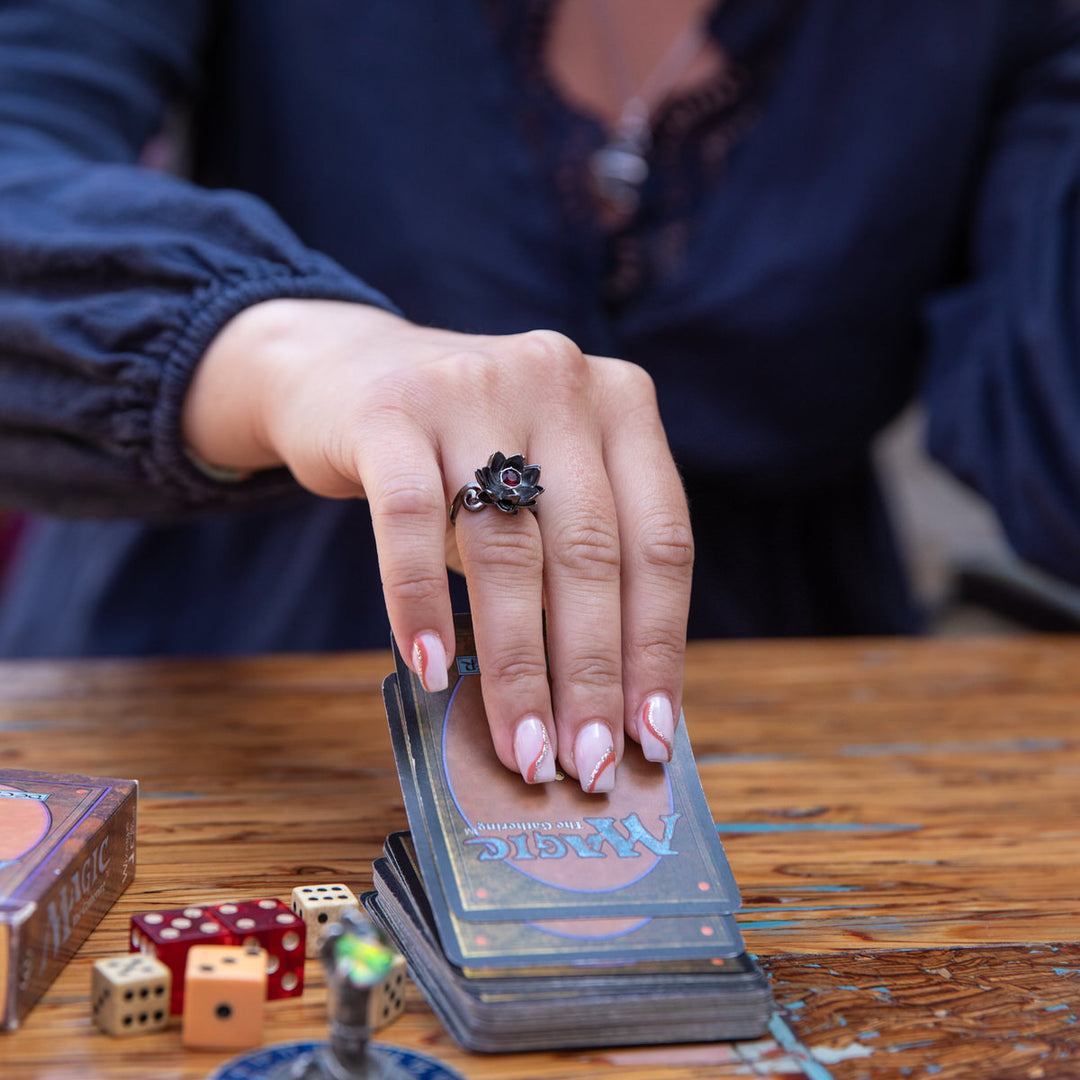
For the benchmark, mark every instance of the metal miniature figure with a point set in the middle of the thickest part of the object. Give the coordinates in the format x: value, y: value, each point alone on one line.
x: 358, y: 959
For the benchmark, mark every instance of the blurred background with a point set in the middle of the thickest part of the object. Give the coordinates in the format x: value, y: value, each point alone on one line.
x: 960, y: 565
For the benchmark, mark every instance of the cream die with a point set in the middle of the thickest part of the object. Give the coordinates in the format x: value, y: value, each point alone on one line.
x: 319, y: 906
x: 129, y: 994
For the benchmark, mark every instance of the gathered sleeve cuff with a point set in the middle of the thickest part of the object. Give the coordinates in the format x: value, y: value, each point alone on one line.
x: 114, y: 278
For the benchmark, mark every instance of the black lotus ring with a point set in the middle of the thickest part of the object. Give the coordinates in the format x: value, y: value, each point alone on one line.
x: 506, y: 483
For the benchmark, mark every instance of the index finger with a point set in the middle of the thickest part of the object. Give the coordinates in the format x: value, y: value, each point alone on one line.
x: 408, y: 514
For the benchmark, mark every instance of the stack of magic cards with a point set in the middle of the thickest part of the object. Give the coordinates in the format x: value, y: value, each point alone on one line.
x: 537, y: 917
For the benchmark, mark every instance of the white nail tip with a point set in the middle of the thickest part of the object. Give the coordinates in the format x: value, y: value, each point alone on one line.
x: 532, y: 751
x: 594, y: 755
x: 657, y: 728
x: 429, y: 661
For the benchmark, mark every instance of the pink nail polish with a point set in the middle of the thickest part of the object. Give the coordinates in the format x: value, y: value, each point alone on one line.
x: 429, y: 661
x: 532, y: 751
x: 657, y: 728
x: 594, y: 756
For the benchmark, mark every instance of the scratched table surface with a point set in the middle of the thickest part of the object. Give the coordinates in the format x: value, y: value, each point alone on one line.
x: 903, y: 818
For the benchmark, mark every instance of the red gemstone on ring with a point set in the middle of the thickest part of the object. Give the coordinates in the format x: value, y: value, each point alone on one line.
x: 510, y: 477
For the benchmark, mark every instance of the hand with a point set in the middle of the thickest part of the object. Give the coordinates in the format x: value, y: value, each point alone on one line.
x: 360, y: 403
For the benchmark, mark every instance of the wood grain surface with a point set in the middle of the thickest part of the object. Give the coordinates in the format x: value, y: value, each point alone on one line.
x: 903, y: 818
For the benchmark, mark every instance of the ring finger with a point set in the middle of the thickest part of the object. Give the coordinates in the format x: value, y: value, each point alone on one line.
x: 503, y: 560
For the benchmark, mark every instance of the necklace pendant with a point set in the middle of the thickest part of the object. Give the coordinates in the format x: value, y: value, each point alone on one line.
x: 619, y: 169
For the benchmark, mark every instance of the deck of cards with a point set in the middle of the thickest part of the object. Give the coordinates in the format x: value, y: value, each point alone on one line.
x: 536, y: 916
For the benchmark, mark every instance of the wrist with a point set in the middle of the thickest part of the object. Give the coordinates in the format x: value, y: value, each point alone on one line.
x: 221, y: 420
x: 249, y: 401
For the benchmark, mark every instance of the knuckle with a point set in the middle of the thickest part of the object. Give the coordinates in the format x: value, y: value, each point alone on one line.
x: 631, y: 397
x: 561, y: 361
x: 391, y: 400
x: 490, y: 551
x: 413, y: 585
x: 637, y: 383
x: 667, y: 544
x: 587, y: 549
x: 403, y: 497
x: 471, y: 366
x: 657, y: 651
x: 408, y: 395
x: 510, y: 667
x: 594, y: 671
x: 549, y: 346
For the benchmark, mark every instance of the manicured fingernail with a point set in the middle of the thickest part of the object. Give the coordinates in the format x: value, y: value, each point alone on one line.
x: 594, y: 756
x: 429, y: 660
x: 532, y: 751
x: 657, y: 728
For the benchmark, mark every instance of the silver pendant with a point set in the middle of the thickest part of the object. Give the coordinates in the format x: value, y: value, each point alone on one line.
x: 619, y: 169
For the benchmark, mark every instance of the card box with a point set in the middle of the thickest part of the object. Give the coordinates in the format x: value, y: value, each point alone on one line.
x: 67, y: 851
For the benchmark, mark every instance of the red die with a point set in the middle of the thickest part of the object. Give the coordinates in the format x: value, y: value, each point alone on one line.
x: 276, y: 929
x: 168, y: 935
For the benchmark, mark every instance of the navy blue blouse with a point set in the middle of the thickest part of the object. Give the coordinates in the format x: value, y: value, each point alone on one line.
x: 896, y: 212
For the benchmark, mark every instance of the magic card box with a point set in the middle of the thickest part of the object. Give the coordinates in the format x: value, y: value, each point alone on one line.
x: 67, y: 851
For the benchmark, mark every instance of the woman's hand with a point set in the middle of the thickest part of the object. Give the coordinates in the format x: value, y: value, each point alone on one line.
x: 357, y: 402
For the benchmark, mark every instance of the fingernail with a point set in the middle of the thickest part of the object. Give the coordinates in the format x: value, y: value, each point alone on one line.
x: 657, y: 728
x: 429, y: 660
x: 532, y: 751
x: 594, y: 756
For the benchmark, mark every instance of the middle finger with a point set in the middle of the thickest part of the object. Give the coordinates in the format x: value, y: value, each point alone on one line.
x: 582, y: 588
x: 503, y: 562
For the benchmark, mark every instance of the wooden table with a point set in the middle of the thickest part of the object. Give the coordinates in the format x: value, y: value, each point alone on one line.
x: 903, y: 819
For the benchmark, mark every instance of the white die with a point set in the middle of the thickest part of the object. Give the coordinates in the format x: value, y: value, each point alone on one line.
x: 319, y: 906
x: 387, y: 1000
x: 129, y: 994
